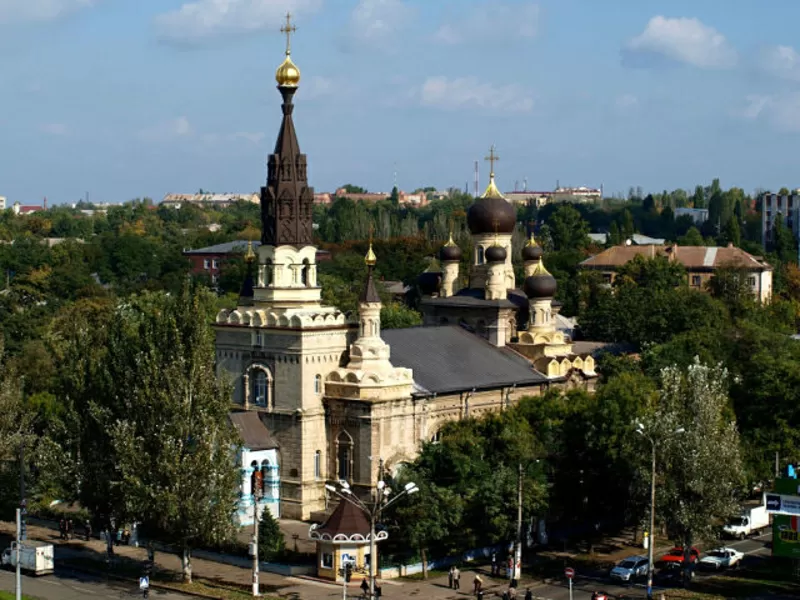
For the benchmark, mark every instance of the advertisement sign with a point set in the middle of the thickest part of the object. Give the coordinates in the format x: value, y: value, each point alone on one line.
x: 781, y: 504
x: 786, y: 536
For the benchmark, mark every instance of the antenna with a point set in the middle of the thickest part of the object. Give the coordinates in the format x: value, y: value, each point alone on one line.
x: 476, y: 178
x: 525, y: 185
x: 395, y: 174
x: 516, y: 185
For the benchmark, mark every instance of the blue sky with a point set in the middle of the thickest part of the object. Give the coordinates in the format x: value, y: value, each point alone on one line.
x: 127, y: 98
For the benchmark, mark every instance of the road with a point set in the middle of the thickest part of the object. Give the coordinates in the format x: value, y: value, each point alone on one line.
x: 71, y: 585
x: 584, y: 585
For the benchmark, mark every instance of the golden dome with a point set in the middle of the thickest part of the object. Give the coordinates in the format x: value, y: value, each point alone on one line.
x: 287, y: 75
x: 370, y: 259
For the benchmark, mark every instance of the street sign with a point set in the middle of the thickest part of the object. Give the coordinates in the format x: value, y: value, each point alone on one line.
x: 144, y: 583
x: 782, y: 504
x: 569, y: 572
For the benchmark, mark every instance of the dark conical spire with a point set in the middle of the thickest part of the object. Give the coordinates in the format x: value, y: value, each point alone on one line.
x: 370, y: 294
x: 287, y: 200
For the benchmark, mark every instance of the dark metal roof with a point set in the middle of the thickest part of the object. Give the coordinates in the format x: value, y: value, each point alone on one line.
x: 254, y: 435
x: 369, y: 293
x: 449, y: 359
x: 346, y: 519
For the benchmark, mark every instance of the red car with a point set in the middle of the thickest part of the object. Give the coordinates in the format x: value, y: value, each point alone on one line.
x: 675, y: 557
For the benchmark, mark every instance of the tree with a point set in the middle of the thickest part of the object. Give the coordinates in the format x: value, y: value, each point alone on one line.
x: 693, y: 237
x: 271, y: 542
x: 732, y: 233
x: 349, y: 188
x: 783, y: 242
x: 614, y: 236
x: 174, y: 443
x: 702, y: 467
x: 395, y: 315
x: 568, y: 230
x: 732, y: 286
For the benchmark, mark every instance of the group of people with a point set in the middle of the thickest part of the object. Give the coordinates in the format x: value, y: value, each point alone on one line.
x: 365, y: 588
x: 65, y: 529
x: 454, y: 583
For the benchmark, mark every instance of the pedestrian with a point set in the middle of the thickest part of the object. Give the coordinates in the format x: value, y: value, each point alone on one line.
x: 456, y: 578
x: 87, y: 526
x: 70, y: 528
x: 494, y: 564
x: 512, y: 593
x: 365, y: 586
x: 62, y: 529
x: 506, y: 596
x: 478, y: 583
x: 450, y: 581
x: 528, y: 594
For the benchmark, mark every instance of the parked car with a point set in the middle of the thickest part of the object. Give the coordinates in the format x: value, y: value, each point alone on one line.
x: 752, y: 521
x: 630, y: 568
x: 722, y: 558
x: 35, y: 558
x: 674, y: 558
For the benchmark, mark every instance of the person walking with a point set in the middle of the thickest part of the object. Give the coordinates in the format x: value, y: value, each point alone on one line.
x: 528, y: 594
x: 87, y: 527
x: 512, y: 593
x: 456, y: 578
x: 477, y: 583
x: 364, y: 586
x: 494, y: 564
x: 450, y: 576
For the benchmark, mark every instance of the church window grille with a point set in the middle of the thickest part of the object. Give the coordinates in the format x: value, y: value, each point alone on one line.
x: 305, y: 273
x: 479, y: 255
x: 259, y: 339
x: 318, y: 384
x: 261, y: 389
x: 344, y: 457
x: 256, y: 480
x: 318, y: 465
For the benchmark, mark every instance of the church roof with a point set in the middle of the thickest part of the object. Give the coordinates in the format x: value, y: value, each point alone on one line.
x: 448, y: 359
x: 252, y: 431
x: 369, y: 294
x: 345, y: 520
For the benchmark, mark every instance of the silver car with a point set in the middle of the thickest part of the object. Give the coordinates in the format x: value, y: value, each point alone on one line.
x: 630, y: 568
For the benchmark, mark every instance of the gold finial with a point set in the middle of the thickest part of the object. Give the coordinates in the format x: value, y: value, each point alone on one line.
x: 450, y: 241
x: 531, y: 241
x: 249, y: 255
x: 288, y: 75
x: 288, y: 29
x: 370, y: 259
x: 492, y: 158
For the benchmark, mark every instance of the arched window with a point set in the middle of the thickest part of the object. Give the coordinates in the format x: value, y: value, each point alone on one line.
x: 256, y: 480
x: 479, y: 255
x: 267, y: 478
x: 317, y: 384
x: 318, y: 465
x: 344, y: 456
x: 268, y: 273
x: 305, y: 274
x: 260, y: 389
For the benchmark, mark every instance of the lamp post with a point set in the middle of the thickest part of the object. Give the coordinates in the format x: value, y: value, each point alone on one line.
x: 640, y: 429
x: 372, y: 510
x: 256, y: 497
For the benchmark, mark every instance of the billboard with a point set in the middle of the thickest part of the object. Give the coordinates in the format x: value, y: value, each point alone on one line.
x: 786, y: 528
x: 783, y: 505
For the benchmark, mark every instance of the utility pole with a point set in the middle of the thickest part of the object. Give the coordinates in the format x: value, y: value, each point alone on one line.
x: 256, y: 496
x: 518, y: 549
x: 652, y: 538
x: 19, y: 556
x: 23, y: 502
x: 476, y: 178
x: 777, y: 466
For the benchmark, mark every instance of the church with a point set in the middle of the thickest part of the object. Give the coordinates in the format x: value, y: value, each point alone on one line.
x: 321, y: 396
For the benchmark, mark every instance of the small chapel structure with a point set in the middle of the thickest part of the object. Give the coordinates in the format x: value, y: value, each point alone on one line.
x: 335, y: 394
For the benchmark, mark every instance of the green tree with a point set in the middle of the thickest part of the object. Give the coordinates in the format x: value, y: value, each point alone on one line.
x: 173, y: 443
x: 693, y: 237
x: 271, y: 541
x: 614, y: 235
x: 395, y: 315
x: 783, y: 242
x: 732, y: 286
x: 699, y: 486
x: 568, y: 230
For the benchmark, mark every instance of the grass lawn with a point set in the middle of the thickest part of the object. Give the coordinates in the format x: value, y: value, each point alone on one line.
x: 11, y: 596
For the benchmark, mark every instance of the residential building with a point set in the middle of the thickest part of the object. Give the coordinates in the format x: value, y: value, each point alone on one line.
x: 27, y: 209
x: 207, y: 199
x: 209, y: 260
x: 699, y: 215
x: 2, y: 202
x: 700, y: 262
x: 773, y: 205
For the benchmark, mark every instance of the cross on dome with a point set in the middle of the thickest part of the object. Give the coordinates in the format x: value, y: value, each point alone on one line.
x: 492, y: 158
x: 288, y: 29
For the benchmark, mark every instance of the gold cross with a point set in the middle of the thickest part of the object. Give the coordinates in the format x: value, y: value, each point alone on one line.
x: 492, y: 158
x: 371, y: 231
x: 288, y: 29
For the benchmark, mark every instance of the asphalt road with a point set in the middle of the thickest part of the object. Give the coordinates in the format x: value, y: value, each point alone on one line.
x: 585, y: 584
x: 71, y: 585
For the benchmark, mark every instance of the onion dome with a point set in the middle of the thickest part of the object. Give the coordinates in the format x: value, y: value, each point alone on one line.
x: 370, y: 259
x: 450, y: 252
x: 491, y: 213
x: 531, y: 251
x: 495, y: 254
x: 541, y: 284
x: 249, y: 255
x: 429, y: 282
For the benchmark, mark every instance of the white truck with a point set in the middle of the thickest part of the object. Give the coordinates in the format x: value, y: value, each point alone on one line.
x: 36, y: 558
x: 752, y: 521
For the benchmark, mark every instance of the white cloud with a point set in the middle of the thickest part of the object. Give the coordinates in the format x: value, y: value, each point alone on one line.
x: 501, y: 16
x: 378, y: 21
x: 685, y: 40
x: 469, y: 92
x: 54, y: 129
x: 781, y: 112
x: 626, y: 102
x: 40, y: 10
x: 781, y: 61
x: 197, y: 21
x: 179, y: 127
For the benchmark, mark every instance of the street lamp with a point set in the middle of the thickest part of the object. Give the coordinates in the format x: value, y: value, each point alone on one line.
x: 640, y: 429
x: 380, y: 501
